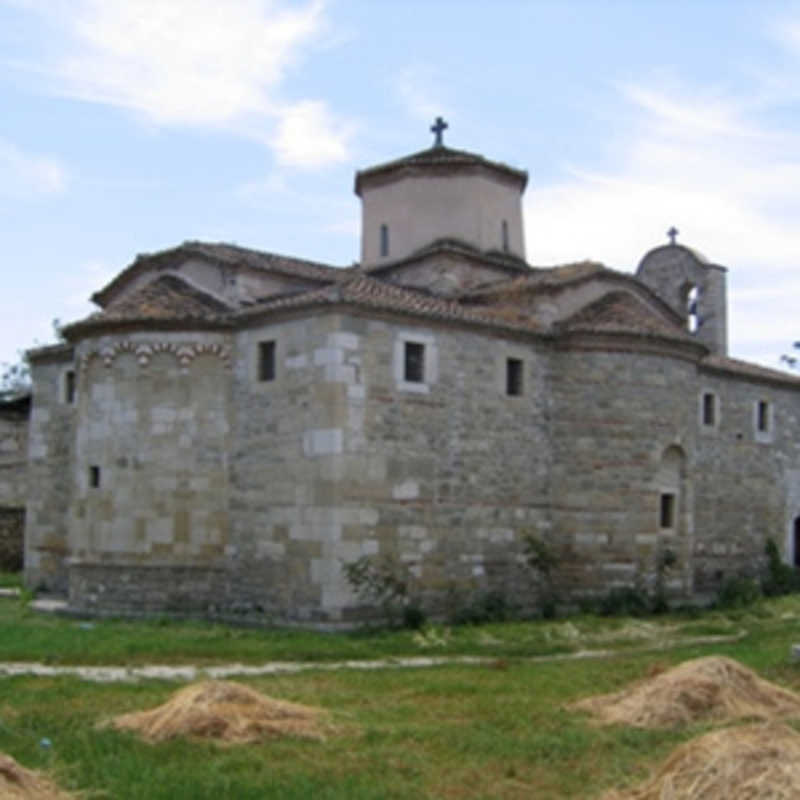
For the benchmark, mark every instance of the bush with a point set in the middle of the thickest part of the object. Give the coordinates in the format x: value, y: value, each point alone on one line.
x: 624, y: 601
x: 780, y: 578
x: 489, y: 606
x: 384, y: 582
x: 738, y: 592
x: 543, y: 562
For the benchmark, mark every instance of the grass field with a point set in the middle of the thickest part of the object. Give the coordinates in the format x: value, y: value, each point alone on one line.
x: 497, y: 730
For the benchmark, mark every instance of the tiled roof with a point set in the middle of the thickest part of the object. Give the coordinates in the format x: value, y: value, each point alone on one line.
x: 368, y: 292
x: 726, y: 364
x: 233, y: 254
x: 167, y: 298
x: 221, y: 253
x: 439, y: 157
x: 494, y: 258
x: 542, y: 279
x: 621, y: 312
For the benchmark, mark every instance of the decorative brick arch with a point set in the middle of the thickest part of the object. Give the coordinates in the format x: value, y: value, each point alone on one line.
x: 144, y: 351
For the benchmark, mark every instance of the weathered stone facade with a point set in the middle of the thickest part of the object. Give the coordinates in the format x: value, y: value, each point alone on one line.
x: 14, y: 414
x: 234, y: 427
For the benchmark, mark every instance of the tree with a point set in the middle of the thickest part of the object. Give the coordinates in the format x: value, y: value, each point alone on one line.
x: 792, y: 361
x: 15, y: 379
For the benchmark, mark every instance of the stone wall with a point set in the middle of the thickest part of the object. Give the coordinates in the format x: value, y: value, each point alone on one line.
x: 50, y: 469
x: 747, y: 482
x: 339, y: 457
x: 150, y: 473
x: 13, y: 483
x: 615, y: 416
x: 235, y: 491
x: 13, y: 456
x: 618, y: 419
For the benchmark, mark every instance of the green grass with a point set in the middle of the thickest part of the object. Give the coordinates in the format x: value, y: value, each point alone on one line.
x: 452, y: 732
x: 11, y: 580
x: 27, y: 635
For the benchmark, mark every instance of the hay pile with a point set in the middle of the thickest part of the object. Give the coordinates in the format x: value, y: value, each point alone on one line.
x: 226, y: 712
x: 741, y: 763
x: 712, y: 689
x: 18, y: 783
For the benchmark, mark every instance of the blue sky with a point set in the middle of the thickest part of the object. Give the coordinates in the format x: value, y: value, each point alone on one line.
x: 128, y: 126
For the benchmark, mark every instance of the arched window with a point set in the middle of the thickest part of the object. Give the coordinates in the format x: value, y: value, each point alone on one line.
x: 504, y: 234
x: 670, y: 480
x: 691, y: 295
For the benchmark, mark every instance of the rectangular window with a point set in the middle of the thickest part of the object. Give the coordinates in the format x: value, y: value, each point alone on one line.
x: 667, y: 514
x: 69, y: 387
x: 514, y: 377
x: 266, y: 361
x: 709, y: 409
x: 762, y: 416
x: 414, y: 367
x: 384, y: 240
x: 94, y: 477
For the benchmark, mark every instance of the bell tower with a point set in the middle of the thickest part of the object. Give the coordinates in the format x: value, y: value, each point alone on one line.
x: 694, y: 287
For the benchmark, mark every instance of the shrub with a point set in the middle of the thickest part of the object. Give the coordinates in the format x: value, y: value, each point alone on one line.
x: 543, y: 562
x: 779, y: 578
x: 491, y: 606
x: 384, y: 582
x: 624, y: 601
x: 738, y: 592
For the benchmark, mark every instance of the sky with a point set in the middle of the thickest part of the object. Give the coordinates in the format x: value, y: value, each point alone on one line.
x: 129, y: 126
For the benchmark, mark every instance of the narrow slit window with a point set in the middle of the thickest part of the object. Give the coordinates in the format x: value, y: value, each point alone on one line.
x: 709, y: 409
x: 504, y: 234
x: 514, y: 377
x: 667, y: 513
x: 414, y: 367
x: 762, y: 416
x: 94, y: 477
x: 384, y: 240
x: 69, y: 387
x: 266, y: 361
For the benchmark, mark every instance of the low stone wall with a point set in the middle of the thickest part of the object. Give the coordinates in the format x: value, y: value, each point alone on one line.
x: 143, y: 589
x: 12, y: 529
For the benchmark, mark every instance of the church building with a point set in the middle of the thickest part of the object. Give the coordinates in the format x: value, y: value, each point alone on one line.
x: 233, y: 427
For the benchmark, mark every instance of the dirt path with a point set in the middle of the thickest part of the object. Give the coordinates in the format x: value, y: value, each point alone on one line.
x: 117, y: 674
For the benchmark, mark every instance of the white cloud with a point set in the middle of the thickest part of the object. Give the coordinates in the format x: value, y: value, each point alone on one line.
x: 709, y: 166
x: 26, y: 175
x: 198, y: 62
x: 418, y: 90
x: 308, y: 136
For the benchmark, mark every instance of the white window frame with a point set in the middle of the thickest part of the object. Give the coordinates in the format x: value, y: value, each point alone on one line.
x: 430, y: 362
x: 764, y: 436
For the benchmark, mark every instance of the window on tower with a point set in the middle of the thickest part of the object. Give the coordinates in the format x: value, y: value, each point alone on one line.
x: 384, y: 239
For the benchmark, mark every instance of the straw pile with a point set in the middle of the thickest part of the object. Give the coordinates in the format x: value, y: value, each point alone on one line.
x: 712, y: 689
x: 18, y: 783
x: 226, y: 712
x: 741, y: 763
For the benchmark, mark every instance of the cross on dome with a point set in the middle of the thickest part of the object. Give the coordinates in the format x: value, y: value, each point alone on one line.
x: 439, y: 128
x: 673, y: 234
